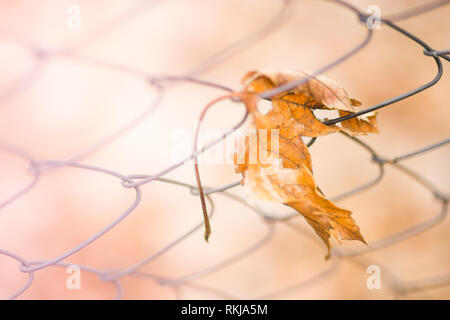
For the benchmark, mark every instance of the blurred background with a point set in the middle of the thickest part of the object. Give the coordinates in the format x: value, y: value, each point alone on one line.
x: 61, y: 92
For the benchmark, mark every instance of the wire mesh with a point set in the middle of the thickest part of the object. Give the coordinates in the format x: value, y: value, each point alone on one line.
x: 162, y: 84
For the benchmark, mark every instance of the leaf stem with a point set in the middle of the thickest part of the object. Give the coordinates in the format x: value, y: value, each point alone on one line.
x: 197, y: 173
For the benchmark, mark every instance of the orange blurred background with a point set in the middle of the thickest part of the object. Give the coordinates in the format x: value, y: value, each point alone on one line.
x: 70, y: 104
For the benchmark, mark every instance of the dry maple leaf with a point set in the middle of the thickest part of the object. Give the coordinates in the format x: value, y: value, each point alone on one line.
x: 286, y: 175
x: 297, y: 105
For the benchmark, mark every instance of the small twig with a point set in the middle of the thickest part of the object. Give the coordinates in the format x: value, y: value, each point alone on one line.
x: 197, y: 173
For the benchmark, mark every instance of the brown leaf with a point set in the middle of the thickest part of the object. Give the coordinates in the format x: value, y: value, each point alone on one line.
x: 318, y: 92
x: 325, y: 93
x: 287, y: 176
x: 364, y: 124
x: 325, y: 217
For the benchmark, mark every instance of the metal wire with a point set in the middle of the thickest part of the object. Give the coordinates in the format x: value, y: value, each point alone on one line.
x: 162, y: 83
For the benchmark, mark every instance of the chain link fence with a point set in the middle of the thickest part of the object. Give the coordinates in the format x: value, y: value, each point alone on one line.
x: 163, y: 84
